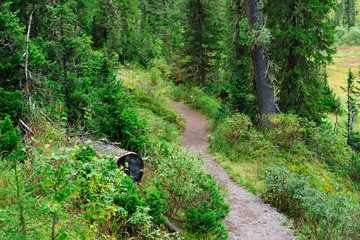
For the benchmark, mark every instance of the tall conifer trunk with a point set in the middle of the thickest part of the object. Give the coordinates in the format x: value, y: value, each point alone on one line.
x: 265, y: 94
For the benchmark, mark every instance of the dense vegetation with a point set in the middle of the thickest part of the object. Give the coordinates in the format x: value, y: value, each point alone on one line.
x: 75, y: 71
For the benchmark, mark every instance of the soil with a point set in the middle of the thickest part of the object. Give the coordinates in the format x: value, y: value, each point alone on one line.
x: 250, y: 218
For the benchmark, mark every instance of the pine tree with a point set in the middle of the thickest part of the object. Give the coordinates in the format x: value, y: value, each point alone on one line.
x: 238, y: 61
x: 12, y: 46
x: 201, y: 38
x: 352, y: 93
x: 301, y: 46
x: 349, y: 13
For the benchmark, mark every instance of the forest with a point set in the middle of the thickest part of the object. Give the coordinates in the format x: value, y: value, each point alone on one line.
x: 278, y: 81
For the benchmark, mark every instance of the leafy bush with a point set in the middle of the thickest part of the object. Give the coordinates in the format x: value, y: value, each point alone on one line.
x: 96, y: 190
x: 352, y: 37
x: 206, y: 214
x: 347, y: 36
x: 327, y: 215
x: 191, y: 193
x: 339, y: 34
x: 354, y: 140
x: 285, y: 130
x: 237, y: 128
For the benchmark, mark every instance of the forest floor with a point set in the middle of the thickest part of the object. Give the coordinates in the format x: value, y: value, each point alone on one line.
x: 250, y: 217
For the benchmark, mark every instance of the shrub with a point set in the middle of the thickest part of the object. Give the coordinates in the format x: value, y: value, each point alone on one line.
x: 97, y: 192
x: 354, y: 140
x: 339, y: 34
x: 10, y: 140
x: 352, y: 37
x: 327, y: 215
x: 196, y: 98
x: 285, y: 130
x: 10, y: 104
x: 115, y: 116
x: 191, y: 193
x: 209, y: 209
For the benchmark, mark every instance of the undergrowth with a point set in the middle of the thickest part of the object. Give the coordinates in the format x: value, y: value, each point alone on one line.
x: 54, y: 186
x: 308, y: 172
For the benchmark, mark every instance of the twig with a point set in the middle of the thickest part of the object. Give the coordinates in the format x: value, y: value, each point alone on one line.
x: 26, y: 126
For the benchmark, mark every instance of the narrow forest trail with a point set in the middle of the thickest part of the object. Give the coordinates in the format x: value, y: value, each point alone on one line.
x: 250, y: 218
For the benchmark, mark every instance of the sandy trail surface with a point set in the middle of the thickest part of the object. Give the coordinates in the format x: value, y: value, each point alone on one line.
x: 250, y: 217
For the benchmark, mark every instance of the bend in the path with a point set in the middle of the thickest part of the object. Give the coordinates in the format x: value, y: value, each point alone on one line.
x: 250, y: 218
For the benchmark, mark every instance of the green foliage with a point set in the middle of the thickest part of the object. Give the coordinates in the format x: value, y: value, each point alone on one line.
x: 330, y: 101
x: 11, y: 71
x: 11, y: 49
x: 200, y: 38
x: 238, y: 65
x: 327, y: 215
x: 156, y: 200
x: 351, y: 37
x: 237, y: 128
x: 148, y: 101
x: 347, y: 36
x: 196, y: 98
x: 191, y: 193
x: 301, y: 44
x: 10, y: 140
x: 352, y: 93
x: 115, y: 116
x: 286, y: 130
x: 207, y: 215
x: 81, y: 177
x: 10, y: 104
x: 355, y: 141
x: 349, y: 13
x: 20, y: 207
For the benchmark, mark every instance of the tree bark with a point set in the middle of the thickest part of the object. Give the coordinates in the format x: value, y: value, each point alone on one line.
x: 264, y: 90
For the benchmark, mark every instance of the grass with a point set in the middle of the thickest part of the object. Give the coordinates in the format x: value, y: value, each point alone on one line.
x: 357, y: 17
x: 347, y: 57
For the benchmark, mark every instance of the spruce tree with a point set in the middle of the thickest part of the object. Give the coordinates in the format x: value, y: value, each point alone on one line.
x: 301, y: 46
x: 352, y: 93
x: 201, y: 38
x: 238, y: 61
x: 349, y: 13
x: 12, y: 46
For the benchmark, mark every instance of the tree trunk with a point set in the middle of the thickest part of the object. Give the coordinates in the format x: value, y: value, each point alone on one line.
x: 264, y: 90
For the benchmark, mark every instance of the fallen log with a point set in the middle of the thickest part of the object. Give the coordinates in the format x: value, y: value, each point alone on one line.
x: 132, y: 163
x: 171, y: 227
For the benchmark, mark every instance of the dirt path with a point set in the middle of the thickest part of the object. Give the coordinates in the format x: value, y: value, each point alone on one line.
x: 250, y: 218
